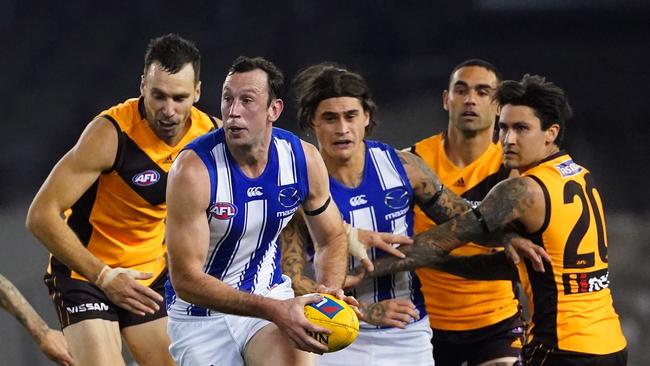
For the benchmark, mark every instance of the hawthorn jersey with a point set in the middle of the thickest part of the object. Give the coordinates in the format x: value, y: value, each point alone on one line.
x: 455, y: 303
x: 383, y: 202
x: 120, y: 218
x: 571, y: 304
x: 246, y: 215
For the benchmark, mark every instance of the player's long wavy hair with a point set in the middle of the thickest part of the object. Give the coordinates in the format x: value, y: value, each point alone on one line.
x: 327, y: 80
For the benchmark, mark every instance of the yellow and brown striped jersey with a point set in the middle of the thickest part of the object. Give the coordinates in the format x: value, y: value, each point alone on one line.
x: 121, y: 217
x: 570, y: 303
x: 455, y: 303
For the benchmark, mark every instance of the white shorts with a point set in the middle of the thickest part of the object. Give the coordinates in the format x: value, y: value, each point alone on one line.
x: 389, y: 347
x: 219, y: 339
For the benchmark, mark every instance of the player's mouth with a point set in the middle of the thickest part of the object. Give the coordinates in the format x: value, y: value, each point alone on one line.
x: 343, y: 144
x: 469, y: 114
x: 167, y: 125
x: 236, y: 130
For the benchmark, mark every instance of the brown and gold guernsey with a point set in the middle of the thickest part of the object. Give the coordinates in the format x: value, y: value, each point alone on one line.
x: 121, y: 217
x: 571, y: 304
x: 455, y: 303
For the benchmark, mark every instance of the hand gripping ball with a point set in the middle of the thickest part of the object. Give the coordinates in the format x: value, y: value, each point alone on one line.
x: 337, y: 316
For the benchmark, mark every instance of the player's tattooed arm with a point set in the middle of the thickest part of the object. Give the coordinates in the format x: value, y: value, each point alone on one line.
x: 14, y: 302
x: 373, y: 313
x: 293, y: 238
x: 437, y: 202
x: 51, y: 342
x: 391, y: 312
x: 505, y: 203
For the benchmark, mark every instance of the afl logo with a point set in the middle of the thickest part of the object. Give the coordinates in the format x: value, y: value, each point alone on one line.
x: 397, y: 198
x: 288, y: 197
x: 223, y: 210
x: 146, y: 178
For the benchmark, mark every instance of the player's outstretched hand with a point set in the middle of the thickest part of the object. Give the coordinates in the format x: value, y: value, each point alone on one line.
x: 516, y: 247
x: 380, y: 240
x: 55, y: 347
x: 392, y: 313
x: 121, y: 287
x: 289, y: 316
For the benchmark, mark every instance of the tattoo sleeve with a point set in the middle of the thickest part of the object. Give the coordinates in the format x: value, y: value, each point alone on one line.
x: 426, y: 186
x: 293, y: 239
x: 503, y: 204
x: 15, y: 303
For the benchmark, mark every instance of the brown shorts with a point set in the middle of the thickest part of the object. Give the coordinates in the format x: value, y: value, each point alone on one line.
x: 538, y: 354
x: 503, y: 339
x: 77, y: 300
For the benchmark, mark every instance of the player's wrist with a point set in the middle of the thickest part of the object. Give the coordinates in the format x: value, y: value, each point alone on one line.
x: 269, y: 309
x: 101, y: 277
x: 355, y: 247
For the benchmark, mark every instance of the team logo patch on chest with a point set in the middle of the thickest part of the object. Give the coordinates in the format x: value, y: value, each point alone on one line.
x: 397, y: 198
x: 288, y: 197
x: 146, y: 178
x: 223, y: 210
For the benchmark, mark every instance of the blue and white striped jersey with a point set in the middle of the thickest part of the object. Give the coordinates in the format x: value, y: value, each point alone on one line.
x: 246, y: 215
x: 382, y: 202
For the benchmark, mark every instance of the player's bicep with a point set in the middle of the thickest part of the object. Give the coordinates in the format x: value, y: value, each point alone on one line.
x: 511, y: 200
x: 435, y: 200
x: 80, y: 167
x: 319, y: 188
x: 188, y: 197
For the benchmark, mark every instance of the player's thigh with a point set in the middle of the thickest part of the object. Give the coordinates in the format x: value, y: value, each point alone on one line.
x: 95, y: 342
x: 149, y: 342
x: 204, y: 342
x: 269, y: 346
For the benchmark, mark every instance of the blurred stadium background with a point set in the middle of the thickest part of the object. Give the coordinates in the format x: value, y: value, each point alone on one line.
x: 66, y: 61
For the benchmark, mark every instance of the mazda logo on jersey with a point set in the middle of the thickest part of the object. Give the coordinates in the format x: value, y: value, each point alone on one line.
x: 223, y: 210
x: 397, y: 198
x: 288, y: 197
x: 146, y: 178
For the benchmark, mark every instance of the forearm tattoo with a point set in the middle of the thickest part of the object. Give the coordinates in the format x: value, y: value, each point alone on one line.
x: 293, y: 238
x: 505, y: 203
x: 15, y: 303
x: 373, y: 313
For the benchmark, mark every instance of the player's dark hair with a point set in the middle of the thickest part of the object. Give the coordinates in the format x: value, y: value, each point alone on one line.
x: 547, y: 100
x: 275, y: 78
x: 173, y: 52
x: 328, y: 80
x: 479, y: 63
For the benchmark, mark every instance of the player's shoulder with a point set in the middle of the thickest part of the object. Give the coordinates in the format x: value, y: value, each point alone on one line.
x: 188, y: 167
x: 379, y: 145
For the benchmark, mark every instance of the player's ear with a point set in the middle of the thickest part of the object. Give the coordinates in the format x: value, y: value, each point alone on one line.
x: 275, y: 109
x: 551, y: 133
x: 197, y: 91
x: 142, y: 84
x: 445, y: 100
